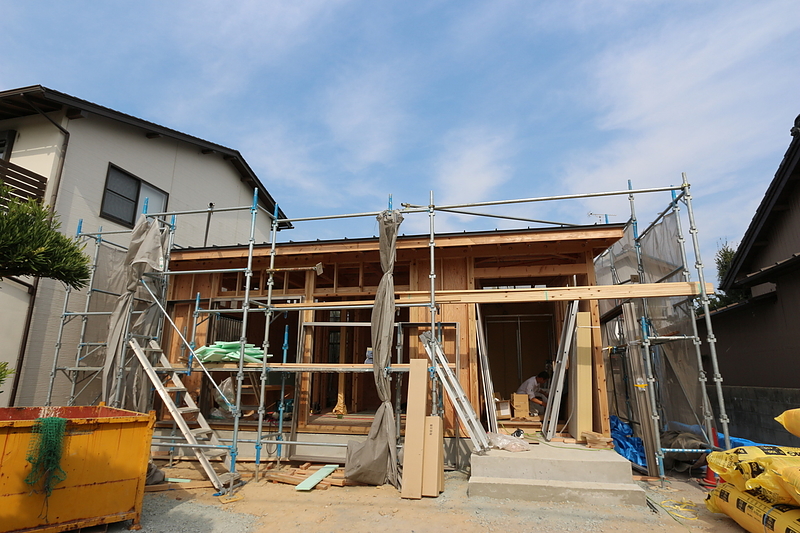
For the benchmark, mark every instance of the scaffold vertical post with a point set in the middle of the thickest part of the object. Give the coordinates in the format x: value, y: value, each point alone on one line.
x: 711, y: 339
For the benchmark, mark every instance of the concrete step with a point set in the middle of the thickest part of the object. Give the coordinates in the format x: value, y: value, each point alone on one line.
x: 551, y: 463
x: 537, y: 490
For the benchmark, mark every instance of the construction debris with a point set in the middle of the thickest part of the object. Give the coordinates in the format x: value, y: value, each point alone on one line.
x: 296, y: 476
x: 597, y: 440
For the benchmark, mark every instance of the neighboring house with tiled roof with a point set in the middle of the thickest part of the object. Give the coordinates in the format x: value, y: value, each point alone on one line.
x: 97, y: 165
x: 758, y: 341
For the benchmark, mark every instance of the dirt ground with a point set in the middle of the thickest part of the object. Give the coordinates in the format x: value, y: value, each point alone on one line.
x: 278, y: 508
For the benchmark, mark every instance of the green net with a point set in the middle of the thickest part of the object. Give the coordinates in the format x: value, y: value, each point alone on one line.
x: 44, y: 454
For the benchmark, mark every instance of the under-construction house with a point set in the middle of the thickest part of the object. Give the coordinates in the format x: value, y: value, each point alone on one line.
x: 268, y: 348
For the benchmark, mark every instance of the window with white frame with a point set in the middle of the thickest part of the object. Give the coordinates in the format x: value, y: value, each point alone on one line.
x: 124, y: 197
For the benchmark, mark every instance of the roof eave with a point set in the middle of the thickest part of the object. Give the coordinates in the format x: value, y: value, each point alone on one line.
x: 233, y: 156
x: 789, y: 165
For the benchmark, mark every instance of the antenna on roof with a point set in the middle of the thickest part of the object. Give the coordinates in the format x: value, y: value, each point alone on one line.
x: 600, y: 216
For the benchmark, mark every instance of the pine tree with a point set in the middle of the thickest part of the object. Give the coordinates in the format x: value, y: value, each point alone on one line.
x: 723, y: 259
x: 31, y: 245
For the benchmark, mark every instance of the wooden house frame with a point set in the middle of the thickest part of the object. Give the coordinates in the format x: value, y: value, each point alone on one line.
x: 527, y: 276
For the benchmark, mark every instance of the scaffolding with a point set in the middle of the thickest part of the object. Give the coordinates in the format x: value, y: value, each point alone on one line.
x: 660, y: 376
x: 153, y: 296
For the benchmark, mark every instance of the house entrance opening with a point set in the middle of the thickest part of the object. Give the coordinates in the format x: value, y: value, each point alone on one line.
x: 520, y: 340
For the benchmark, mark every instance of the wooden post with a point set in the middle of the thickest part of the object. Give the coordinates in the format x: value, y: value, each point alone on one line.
x: 601, y: 422
x: 581, y: 378
x: 341, y: 406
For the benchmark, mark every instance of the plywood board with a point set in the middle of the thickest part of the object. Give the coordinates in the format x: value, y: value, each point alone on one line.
x: 433, y: 457
x: 581, y: 377
x: 413, y: 447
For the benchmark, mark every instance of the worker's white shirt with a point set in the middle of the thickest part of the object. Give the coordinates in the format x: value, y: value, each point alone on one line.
x: 532, y: 388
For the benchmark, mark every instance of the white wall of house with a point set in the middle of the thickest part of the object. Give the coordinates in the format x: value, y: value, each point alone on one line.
x: 191, y: 179
x: 14, y: 300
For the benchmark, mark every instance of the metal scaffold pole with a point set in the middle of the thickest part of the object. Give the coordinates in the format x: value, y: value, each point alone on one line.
x: 708, y: 415
x: 248, y: 274
x: 85, y: 318
x: 268, y: 322
x: 432, y: 277
x: 712, y: 341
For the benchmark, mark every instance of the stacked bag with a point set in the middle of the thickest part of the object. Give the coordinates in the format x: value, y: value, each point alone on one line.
x: 762, y: 483
x: 225, y: 352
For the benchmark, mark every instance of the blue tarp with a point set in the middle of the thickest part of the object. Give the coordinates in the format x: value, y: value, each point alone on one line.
x: 632, y: 448
x: 628, y: 446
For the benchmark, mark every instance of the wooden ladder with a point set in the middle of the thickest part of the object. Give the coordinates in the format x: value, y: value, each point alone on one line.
x: 173, y: 385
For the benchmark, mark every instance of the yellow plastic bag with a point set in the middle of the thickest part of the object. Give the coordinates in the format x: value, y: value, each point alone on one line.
x: 786, y: 471
x: 739, y: 465
x: 790, y: 420
x: 752, y: 513
x: 767, y: 480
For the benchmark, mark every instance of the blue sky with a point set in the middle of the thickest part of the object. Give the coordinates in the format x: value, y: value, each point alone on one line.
x: 337, y: 104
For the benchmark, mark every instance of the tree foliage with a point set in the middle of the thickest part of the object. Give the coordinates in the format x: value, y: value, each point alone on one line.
x: 31, y: 245
x: 723, y: 259
x: 5, y: 372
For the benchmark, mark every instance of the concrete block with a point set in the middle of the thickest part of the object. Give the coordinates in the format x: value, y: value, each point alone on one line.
x: 562, y: 463
x: 538, y: 490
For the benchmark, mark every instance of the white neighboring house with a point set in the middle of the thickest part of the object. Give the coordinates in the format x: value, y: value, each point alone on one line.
x: 98, y: 165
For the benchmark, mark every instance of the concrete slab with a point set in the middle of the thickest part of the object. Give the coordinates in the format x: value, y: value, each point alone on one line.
x: 537, y: 490
x: 554, y: 463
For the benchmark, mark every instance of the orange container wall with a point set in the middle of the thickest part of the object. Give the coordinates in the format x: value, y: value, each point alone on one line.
x: 105, y: 457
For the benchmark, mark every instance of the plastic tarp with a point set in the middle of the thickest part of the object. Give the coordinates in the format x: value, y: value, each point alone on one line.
x: 374, y: 461
x: 146, y: 252
x: 680, y: 396
x: 628, y: 446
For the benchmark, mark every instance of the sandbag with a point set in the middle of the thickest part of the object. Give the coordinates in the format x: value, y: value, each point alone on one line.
x: 790, y: 420
x: 753, y: 514
x: 781, y: 474
x: 738, y: 465
x: 765, y: 479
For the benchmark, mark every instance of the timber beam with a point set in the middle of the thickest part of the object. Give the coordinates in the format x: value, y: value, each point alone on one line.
x: 547, y: 294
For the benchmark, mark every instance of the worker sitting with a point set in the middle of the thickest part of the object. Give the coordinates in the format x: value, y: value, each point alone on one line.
x: 537, y: 395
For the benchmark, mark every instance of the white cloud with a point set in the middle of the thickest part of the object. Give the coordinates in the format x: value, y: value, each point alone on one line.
x: 363, y: 109
x: 472, y: 166
x: 224, y: 47
x: 708, y: 96
x: 285, y: 162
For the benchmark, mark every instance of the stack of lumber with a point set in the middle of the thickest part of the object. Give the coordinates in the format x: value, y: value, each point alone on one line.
x: 295, y: 476
x: 597, y: 440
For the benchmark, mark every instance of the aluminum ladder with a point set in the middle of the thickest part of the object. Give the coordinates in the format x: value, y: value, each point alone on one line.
x: 550, y: 420
x: 174, y: 385
x: 466, y: 413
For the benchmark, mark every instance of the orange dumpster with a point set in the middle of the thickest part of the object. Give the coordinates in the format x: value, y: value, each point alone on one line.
x: 105, y: 456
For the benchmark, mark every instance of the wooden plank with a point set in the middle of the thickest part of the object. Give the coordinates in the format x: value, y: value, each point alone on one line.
x: 179, y: 486
x: 555, y: 236
x: 289, y: 479
x: 413, y: 447
x: 530, y: 271
x: 316, y: 477
x: 581, y: 374
x: 548, y: 294
x: 433, y: 457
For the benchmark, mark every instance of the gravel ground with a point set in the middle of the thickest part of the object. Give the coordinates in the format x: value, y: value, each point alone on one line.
x: 167, y: 514
x: 275, y: 508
